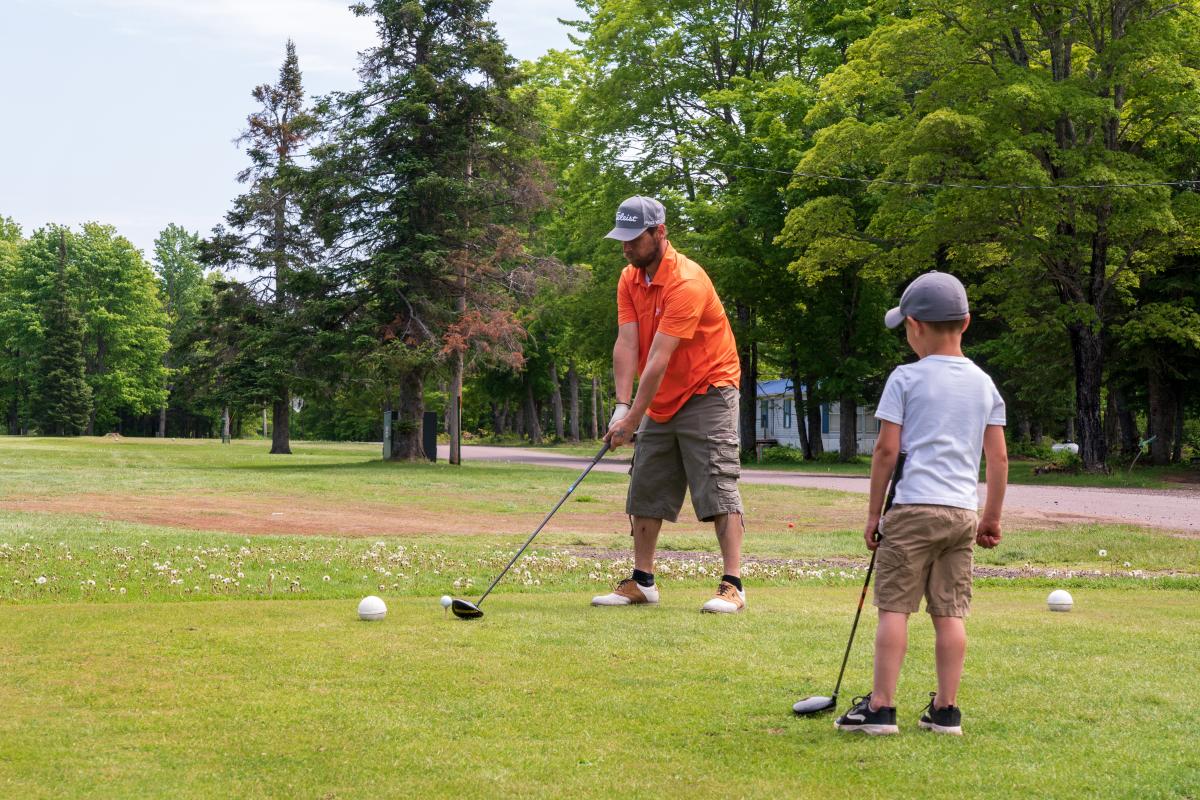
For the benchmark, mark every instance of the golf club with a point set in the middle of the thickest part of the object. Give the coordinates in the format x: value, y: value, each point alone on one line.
x: 819, y: 703
x: 464, y: 609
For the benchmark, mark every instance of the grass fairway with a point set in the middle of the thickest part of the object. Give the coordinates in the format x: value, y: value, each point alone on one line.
x: 178, y: 621
x: 547, y: 697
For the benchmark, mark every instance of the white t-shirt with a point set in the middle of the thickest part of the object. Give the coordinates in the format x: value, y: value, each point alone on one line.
x: 943, y: 404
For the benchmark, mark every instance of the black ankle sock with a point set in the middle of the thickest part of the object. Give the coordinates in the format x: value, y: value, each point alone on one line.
x: 736, y: 581
x: 643, y: 578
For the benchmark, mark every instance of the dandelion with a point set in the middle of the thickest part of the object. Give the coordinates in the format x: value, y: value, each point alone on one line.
x: 325, y: 578
x: 41, y: 580
x: 122, y: 590
x: 1104, y: 554
x: 1128, y: 565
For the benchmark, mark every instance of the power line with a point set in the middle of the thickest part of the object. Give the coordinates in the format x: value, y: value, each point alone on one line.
x: 1182, y: 184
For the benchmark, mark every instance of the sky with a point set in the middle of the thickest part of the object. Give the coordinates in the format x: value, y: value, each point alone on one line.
x: 125, y: 112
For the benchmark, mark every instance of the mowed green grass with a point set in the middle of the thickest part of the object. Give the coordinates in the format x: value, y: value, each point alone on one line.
x: 546, y: 697
x: 148, y: 661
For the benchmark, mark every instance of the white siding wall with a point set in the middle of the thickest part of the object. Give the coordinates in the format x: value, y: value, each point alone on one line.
x: 781, y: 424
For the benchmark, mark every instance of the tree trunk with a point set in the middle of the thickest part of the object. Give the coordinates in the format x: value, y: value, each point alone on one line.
x: 454, y: 409
x: 1177, y: 447
x: 225, y: 425
x: 410, y: 419
x: 532, y: 427
x: 595, y: 409
x: 573, y: 397
x: 1112, y: 426
x: 748, y: 356
x: 1162, y: 417
x: 1070, y: 429
x: 1023, y: 429
x: 518, y: 419
x: 556, y: 403
x: 1087, y: 346
x: 798, y: 413
x: 1129, y: 429
x: 847, y: 428
x: 162, y: 423
x: 281, y: 422
x: 812, y: 406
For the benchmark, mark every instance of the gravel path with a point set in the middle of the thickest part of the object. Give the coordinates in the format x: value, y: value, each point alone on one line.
x: 1168, y: 509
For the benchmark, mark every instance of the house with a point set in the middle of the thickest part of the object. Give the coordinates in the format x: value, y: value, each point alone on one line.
x: 776, y: 419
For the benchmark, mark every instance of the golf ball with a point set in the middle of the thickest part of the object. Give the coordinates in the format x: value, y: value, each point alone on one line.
x: 446, y: 601
x: 1060, y: 600
x: 371, y: 608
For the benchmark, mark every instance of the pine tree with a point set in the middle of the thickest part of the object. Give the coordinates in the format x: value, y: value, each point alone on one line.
x: 62, y: 404
x: 422, y: 183
x: 268, y: 236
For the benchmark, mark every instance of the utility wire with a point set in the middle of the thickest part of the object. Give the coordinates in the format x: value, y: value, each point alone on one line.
x: 1182, y: 184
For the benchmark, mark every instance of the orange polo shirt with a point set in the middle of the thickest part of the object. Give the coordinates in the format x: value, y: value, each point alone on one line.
x: 682, y: 302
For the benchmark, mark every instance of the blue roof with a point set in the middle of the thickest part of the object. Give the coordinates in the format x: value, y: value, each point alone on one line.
x: 783, y: 386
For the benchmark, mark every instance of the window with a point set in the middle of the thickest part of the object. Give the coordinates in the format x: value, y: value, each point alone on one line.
x: 824, y: 418
x: 787, y: 413
x: 764, y: 407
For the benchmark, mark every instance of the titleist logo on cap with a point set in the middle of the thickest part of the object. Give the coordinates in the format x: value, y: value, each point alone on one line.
x: 635, y: 215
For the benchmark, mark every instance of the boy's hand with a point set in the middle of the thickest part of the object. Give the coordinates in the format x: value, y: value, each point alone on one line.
x: 988, y: 533
x: 870, y: 534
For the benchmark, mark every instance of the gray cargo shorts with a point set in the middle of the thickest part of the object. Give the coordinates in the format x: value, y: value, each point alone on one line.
x: 696, y: 449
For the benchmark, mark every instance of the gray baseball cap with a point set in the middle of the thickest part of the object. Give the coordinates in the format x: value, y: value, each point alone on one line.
x: 634, y: 216
x: 933, y: 297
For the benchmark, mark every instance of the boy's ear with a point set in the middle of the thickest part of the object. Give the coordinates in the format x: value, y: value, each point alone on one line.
x: 966, y: 323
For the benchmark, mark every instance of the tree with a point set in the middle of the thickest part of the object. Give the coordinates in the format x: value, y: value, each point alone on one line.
x: 1088, y: 106
x: 268, y: 235
x: 732, y: 82
x: 17, y: 328
x: 183, y: 290
x: 62, y: 398
x: 420, y: 189
x: 125, y: 334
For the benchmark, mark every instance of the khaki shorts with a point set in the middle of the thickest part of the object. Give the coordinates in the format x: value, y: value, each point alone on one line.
x: 926, y: 551
x: 696, y: 449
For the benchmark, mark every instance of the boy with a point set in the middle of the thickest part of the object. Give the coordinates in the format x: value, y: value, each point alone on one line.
x: 941, y: 411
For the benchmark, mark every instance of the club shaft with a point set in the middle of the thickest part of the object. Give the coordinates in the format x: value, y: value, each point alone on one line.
x: 595, y: 461
x: 891, y: 497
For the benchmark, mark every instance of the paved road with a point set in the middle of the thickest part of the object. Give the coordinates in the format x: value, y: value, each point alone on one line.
x: 1174, y: 509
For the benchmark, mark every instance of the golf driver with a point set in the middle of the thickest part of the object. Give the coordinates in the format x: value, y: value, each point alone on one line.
x: 464, y: 609
x: 819, y: 703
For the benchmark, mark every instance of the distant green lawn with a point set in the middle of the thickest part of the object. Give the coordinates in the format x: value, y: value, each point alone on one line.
x: 149, y: 660
x: 1019, y: 471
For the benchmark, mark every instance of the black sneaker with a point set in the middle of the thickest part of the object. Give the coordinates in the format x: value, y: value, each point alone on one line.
x: 941, y: 720
x: 860, y: 717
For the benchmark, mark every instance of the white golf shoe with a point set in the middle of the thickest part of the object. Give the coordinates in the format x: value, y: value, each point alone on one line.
x: 728, y: 600
x: 628, y: 593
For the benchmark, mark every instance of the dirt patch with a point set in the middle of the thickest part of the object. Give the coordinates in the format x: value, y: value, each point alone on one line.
x: 285, y: 516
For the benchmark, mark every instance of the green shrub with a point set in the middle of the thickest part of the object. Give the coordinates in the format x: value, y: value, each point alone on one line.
x: 783, y: 454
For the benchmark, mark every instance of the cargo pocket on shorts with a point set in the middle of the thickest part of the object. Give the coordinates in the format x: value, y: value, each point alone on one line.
x: 724, y: 463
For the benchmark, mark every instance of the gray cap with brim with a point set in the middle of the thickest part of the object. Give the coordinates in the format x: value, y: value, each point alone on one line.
x: 636, y: 215
x: 933, y: 297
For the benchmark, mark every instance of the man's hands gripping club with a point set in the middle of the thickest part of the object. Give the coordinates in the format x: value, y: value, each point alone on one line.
x: 625, y: 422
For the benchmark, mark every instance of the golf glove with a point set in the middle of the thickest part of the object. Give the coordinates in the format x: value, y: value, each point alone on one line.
x: 618, y: 413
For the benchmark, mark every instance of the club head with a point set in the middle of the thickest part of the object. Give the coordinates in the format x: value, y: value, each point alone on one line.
x: 464, y: 610
x: 814, y: 705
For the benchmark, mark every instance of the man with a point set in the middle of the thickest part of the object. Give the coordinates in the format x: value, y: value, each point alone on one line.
x: 673, y: 333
